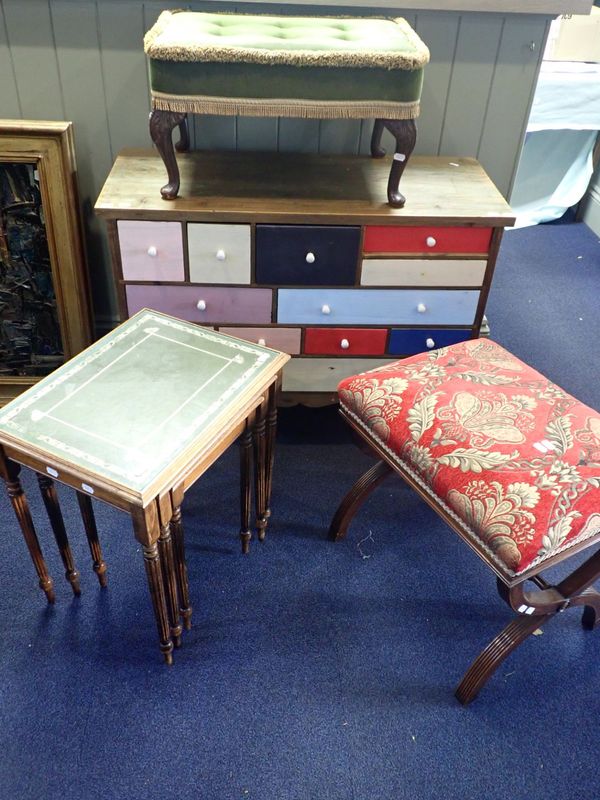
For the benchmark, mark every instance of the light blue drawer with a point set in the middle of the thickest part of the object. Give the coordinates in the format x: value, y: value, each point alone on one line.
x: 376, y: 307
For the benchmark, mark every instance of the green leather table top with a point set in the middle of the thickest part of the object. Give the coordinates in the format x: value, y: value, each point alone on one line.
x: 127, y: 406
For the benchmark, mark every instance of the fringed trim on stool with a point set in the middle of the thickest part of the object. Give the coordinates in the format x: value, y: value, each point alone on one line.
x: 267, y: 107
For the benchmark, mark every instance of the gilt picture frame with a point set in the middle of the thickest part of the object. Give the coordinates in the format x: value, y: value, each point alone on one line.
x: 45, y: 307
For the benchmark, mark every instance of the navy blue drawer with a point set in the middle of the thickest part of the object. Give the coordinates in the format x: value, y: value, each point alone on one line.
x: 408, y: 342
x: 306, y: 255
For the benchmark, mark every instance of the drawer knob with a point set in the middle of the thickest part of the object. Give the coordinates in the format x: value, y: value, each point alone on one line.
x: 152, y: 251
x: 262, y: 342
x: 325, y: 309
x: 344, y: 344
x: 421, y: 308
x: 221, y: 255
x: 430, y: 241
x: 430, y: 343
x: 310, y: 258
x: 201, y: 305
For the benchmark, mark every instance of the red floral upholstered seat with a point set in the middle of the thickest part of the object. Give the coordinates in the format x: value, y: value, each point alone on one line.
x: 507, y: 457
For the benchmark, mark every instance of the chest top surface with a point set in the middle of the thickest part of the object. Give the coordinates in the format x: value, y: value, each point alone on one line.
x: 126, y: 408
x: 302, y: 188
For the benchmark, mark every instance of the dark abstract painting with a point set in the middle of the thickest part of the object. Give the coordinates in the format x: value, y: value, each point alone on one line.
x: 30, y: 338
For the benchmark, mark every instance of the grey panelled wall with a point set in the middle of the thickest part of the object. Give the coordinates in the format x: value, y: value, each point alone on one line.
x: 82, y: 60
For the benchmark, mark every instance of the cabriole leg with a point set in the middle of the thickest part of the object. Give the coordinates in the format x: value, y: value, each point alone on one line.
x: 161, y: 131
x: 405, y: 133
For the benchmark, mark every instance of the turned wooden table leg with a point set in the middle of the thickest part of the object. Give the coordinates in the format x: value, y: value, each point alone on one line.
x: 405, y: 133
x: 245, y: 486
x: 147, y: 531
x: 91, y: 532
x: 161, y: 131
x: 10, y: 472
x: 260, y: 471
x: 165, y: 547
x: 183, y: 145
x: 50, y: 498
x: 270, y: 453
x: 354, y: 499
x: 185, y: 607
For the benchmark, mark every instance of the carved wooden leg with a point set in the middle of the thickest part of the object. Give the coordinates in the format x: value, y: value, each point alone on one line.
x: 270, y: 454
x: 147, y: 531
x: 10, y: 473
x: 185, y: 607
x: 356, y: 497
x: 50, y: 498
x: 488, y: 661
x: 165, y: 546
x: 183, y: 145
x: 91, y: 532
x: 260, y: 471
x: 245, y: 486
x: 405, y: 133
x: 161, y: 129
x: 377, y: 151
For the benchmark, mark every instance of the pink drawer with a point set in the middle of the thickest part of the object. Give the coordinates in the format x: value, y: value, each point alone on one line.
x: 285, y: 339
x: 151, y: 251
x: 206, y: 304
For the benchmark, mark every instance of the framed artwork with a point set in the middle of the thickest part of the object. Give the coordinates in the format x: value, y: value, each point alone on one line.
x: 45, y: 309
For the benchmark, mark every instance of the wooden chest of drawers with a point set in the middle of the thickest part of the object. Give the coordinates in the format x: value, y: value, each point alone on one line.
x: 300, y: 253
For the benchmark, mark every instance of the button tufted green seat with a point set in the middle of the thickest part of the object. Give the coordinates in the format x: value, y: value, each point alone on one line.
x: 258, y: 65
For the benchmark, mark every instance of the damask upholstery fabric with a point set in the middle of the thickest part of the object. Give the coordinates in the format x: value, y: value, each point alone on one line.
x: 512, y: 457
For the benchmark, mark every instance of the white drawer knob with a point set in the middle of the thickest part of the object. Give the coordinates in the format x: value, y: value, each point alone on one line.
x: 344, y: 344
x: 310, y: 258
x: 152, y: 251
x: 421, y: 308
x: 325, y: 309
x: 221, y: 255
x: 262, y: 342
x: 430, y: 343
x: 201, y: 305
x: 430, y: 241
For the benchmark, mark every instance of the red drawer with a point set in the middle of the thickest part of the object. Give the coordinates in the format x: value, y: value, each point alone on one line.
x: 425, y: 239
x: 345, y: 341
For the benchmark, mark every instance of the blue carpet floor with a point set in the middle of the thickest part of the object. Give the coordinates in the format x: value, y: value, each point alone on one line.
x: 313, y: 670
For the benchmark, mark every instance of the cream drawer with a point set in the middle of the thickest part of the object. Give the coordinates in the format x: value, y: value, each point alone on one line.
x: 422, y: 272
x: 219, y: 253
x: 324, y: 374
x: 151, y: 251
x: 285, y: 339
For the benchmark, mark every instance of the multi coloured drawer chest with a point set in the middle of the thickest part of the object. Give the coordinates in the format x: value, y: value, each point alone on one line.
x: 300, y: 253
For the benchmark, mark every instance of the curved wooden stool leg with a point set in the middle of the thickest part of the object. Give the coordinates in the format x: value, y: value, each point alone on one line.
x: 18, y: 499
x: 245, y: 486
x: 405, y: 133
x: 161, y: 129
x: 591, y: 612
x: 356, y: 497
x: 50, y: 498
x: 91, y: 532
x: 183, y: 145
x: 488, y: 661
x: 377, y: 151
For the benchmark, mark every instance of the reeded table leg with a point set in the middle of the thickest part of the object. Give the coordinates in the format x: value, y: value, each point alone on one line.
x: 165, y: 547
x: 147, y: 531
x: 89, y: 523
x: 10, y: 472
x: 260, y: 471
x: 271, y: 436
x: 50, y: 498
x: 185, y: 607
x: 245, y: 486
x: 161, y: 130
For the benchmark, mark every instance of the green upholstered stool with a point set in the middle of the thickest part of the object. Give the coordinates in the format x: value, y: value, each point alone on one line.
x: 322, y: 68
